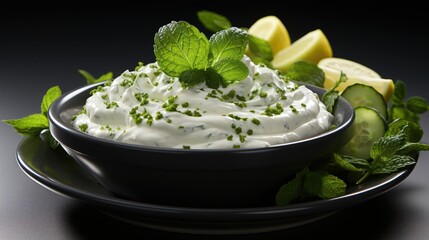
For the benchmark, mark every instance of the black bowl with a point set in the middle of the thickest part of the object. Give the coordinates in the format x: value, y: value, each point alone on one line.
x: 195, y: 177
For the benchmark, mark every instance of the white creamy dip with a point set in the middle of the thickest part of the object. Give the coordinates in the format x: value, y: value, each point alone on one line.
x: 147, y: 107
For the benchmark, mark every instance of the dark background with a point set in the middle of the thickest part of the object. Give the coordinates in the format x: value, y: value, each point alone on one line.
x: 43, y: 47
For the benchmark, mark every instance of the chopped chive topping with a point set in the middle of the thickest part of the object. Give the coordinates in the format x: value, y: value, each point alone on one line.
x: 242, y: 138
x: 83, y: 127
x: 255, y: 121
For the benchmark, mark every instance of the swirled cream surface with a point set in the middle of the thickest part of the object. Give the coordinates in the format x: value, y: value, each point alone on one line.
x: 147, y: 107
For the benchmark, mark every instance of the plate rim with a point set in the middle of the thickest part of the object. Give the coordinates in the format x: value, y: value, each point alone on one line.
x: 249, y: 214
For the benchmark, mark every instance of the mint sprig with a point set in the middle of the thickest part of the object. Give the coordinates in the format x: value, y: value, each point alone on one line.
x: 306, y: 72
x: 34, y: 124
x: 260, y: 49
x: 90, y: 79
x: 183, y: 51
x: 309, y: 184
x: 213, y: 21
x: 331, y: 96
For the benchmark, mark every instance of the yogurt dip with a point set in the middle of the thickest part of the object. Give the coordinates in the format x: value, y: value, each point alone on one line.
x: 147, y: 107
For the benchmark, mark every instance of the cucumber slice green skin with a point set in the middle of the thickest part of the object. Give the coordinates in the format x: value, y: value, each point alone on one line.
x: 363, y: 95
x: 369, y: 127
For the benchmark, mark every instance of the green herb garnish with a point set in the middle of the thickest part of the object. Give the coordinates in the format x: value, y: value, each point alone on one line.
x: 34, y: 124
x: 90, y: 79
x: 183, y: 51
x: 213, y: 21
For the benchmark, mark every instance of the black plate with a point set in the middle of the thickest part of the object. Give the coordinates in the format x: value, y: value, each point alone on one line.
x: 56, y: 171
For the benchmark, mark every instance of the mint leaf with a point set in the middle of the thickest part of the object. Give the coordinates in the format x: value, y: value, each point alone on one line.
x: 30, y: 125
x: 214, y: 80
x: 182, y: 51
x: 349, y: 163
x: 260, y: 49
x: 387, y: 146
x: 91, y: 79
x: 417, y: 104
x: 179, y: 47
x: 306, y: 72
x: 192, y: 77
x: 292, y: 189
x: 231, y: 70
x: 401, y: 112
x: 309, y: 184
x: 324, y: 185
x: 229, y: 43
x: 399, y: 93
x: 50, y: 96
x: 413, y: 132
x: 213, y: 21
x: 330, y: 97
x: 393, y: 164
x: 411, y: 148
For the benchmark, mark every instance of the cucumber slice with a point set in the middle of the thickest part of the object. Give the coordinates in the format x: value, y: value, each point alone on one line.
x: 363, y: 95
x: 369, y: 127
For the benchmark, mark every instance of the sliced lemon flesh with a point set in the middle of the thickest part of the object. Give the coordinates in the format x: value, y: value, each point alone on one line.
x: 356, y: 73
x: 312, y: 47
x: 272, y: 30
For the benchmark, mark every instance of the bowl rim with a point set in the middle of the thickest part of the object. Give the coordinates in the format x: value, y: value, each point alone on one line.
x: 57, y: 123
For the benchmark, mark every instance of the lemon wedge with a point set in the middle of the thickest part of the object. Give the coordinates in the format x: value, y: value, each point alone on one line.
x: 312, y: 47
x: 272, y: 30
x: 356, y: 73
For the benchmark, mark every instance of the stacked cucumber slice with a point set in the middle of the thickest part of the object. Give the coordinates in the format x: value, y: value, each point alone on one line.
x: 370, y: 119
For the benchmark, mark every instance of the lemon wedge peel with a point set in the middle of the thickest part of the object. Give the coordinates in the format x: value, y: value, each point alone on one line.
x: 356, y: 73
x: 312, y: 47
x: 271, y: 29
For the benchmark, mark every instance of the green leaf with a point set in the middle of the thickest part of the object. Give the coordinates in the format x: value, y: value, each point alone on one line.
x: 214, y: 80
x: 50, y: 96
x: 90, y: 79
x: 46, y: 136
x: 385, y: 147
x: 411, y: 148
x: 231, y: 70
x: 330, y: 99
x: 349, y: 163
x: 324, y: 185
x: 292, y: 189
x: 30, y: 125
x: 192, y: 77
x: 213, y: 21
x: 393, y: 164
x: 229, y: 43
x: 260, y: 48
x: 413, y: 132
x: 399, y: 93
x: 400, y: 112
x: 417, y: 104
x: 306, y: 72
x: 179, y: 47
